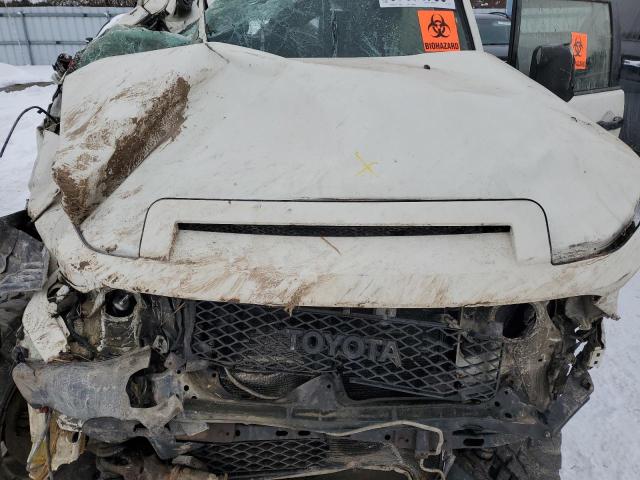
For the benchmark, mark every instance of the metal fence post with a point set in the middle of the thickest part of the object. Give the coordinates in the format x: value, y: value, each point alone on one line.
x: 26, y: 36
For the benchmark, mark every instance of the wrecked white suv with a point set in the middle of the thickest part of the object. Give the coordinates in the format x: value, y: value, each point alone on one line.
x: 334, y: 235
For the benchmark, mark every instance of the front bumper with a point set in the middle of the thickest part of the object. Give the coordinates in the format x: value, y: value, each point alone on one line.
x: 301, y: 385
x: 438, y: 271
x: 317, y: 425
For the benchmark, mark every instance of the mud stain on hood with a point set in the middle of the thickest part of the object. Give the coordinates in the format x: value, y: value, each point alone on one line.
x: 86, y: 178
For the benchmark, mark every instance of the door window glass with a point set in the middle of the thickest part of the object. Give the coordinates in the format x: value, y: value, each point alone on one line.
x: 584, y: 26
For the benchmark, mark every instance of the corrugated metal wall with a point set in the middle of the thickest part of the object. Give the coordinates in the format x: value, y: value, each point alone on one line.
x: 630, y: 18
x: 36, y: 35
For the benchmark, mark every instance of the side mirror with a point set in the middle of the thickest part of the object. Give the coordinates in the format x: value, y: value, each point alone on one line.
x: 553, y: 67
x: 630, y: 70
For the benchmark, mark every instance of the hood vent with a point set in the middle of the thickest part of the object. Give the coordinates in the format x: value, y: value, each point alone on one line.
x: 342, y: 230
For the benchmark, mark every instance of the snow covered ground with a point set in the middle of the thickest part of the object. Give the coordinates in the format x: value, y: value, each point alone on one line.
x: 601, y: 443
x: 12, y: 75
x: 16, y: 164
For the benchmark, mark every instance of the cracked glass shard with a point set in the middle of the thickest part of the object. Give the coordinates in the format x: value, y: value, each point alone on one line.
x: 121, y: 40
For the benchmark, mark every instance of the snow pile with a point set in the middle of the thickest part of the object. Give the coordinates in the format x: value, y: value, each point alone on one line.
x: 12, y: 75
x: 601, y: 441
x: 110, y: 24
x: 17, y: 162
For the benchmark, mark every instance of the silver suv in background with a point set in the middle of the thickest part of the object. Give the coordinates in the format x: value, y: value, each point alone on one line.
x: 495, y: 31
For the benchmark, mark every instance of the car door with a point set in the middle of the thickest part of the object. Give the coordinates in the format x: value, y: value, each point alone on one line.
x: 587, y: 27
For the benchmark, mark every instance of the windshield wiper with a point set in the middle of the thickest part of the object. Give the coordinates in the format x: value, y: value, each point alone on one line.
x: 502, y: 14
x: 334, y: 34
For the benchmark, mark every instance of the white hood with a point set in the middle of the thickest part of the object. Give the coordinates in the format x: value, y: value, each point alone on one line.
x: 223, y: 122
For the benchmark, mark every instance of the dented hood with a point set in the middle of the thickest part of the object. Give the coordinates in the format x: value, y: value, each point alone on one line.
x: 215, y: 121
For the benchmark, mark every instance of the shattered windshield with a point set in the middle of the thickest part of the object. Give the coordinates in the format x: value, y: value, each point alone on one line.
x: 340, y: 28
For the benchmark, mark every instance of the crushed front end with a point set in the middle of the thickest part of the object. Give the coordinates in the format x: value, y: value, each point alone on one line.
x: 250, y: 391
x: 239, y: 265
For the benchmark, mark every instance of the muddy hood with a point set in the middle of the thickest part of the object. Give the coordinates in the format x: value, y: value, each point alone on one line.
x: 215, y: 121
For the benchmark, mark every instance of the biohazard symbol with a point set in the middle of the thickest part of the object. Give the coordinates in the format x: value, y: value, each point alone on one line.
x: 578, y: 47
x: 439, y: 31
x: 438, y: 28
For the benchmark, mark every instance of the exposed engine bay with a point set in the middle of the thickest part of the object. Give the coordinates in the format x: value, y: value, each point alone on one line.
x: 250, y: 391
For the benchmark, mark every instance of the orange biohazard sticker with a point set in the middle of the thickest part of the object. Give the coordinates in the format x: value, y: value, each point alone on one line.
x: 439, y: 30
x: 579, y: 43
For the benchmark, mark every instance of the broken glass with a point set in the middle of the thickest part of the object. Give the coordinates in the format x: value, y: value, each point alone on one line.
x: 322, y: 28
x: 121, y: 40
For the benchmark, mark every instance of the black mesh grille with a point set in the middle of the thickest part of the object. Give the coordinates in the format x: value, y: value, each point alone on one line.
x: 263, y: 456
x: 270, y: 384
x: 420, y: 358
x: 251, y: 458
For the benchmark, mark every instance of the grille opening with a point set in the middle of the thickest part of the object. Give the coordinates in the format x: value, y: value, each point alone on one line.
x: 250, y: 459
x: 270, y: 349
x: 140, y: 391
x: 263, y: 456
x: 473, y: 442
x: 472, y: 439
x: 517, y: 320
x: 342, y: 230
x: 274, y: 385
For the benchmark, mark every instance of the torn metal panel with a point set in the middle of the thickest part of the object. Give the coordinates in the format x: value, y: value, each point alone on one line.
x: 175, y: 15
x: 85, y: 390
x: 42, y: 188
x: 609, y: 305
x: 137, y: 467
x: 24, y: 261
x: 47, y: 332
x: 530, y: 353
x: 39, y: 423
x: 64, y: 447
x: 583, y: 311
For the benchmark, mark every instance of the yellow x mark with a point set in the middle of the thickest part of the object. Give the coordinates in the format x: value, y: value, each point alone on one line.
x: 367, y: 167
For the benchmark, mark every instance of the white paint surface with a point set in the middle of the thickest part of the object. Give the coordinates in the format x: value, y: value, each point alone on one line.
x: 601, y: 106
x: 310, y: 127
